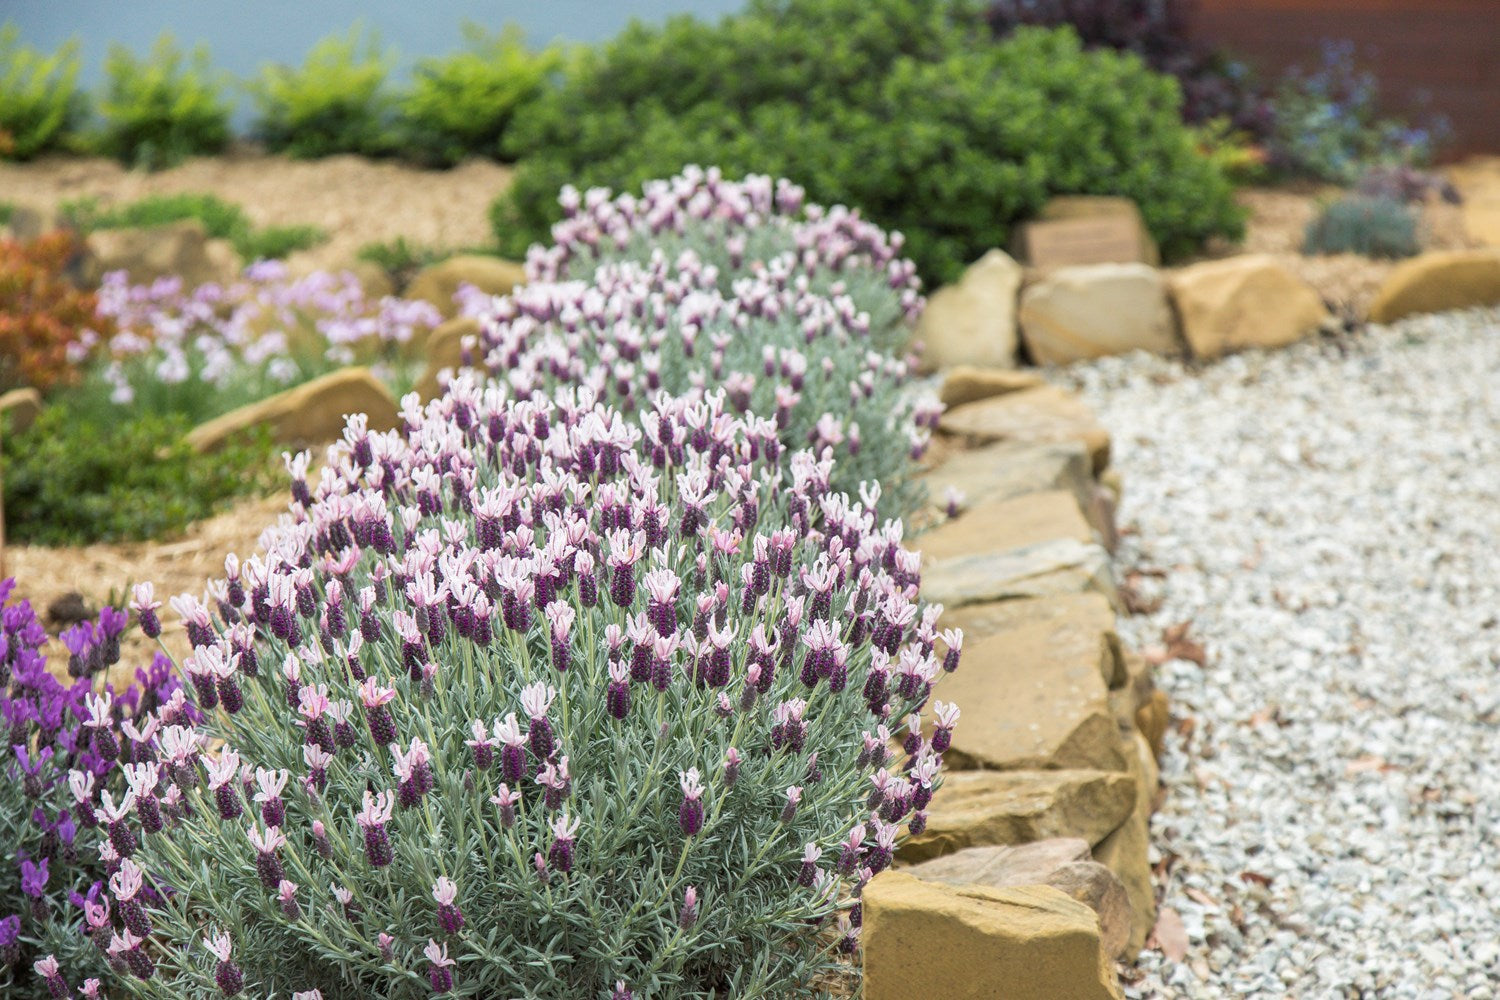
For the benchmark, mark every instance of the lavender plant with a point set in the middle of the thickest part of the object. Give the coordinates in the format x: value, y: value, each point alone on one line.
x: 67, y: 749
x: 203, y: 352
x: 535, y: 699
x: 739, y: 229
x: 799, y: 314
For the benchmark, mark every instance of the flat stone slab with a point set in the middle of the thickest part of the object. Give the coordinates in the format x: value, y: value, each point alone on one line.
x: 1001, y: 471
x: 975, y: 943
x: 999, y: 526
x: 1437, y: 282
x: 1044, y: 415
x: 1058, y: 566
x: 1036, y: 697
x: 1079, y: 619
x: 1005, y: 808
x: 971, y: 383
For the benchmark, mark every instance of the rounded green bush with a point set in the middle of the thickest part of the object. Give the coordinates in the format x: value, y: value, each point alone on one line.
x: 902, y: 109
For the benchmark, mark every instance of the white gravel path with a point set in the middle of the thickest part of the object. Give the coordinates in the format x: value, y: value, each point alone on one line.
x: 1329, y: 518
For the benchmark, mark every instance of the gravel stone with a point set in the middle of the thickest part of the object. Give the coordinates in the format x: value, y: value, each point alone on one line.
x: 1327, y: 517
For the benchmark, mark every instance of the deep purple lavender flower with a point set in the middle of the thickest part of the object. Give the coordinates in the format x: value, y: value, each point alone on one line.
x: 810, y: 855
x: 690, y: 813
x: 536, y: 699
x: 377, y: 716
x: 51, y: 973
x: 125, y: 885
x: 267, y: 861
x: 226, y: 974
x: 505, y: 800
x: 688, y: 915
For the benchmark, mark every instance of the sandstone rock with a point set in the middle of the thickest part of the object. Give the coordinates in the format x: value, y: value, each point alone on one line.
x: 974, y: 943
x: 19, y: 408
x: 968, y: 384
x: 1001, y: 471
x: 1438, y: 281
x: 1044, y: 415
x: 311, y: 413
x: 973, y: 322
x: 146, y: 254
x: 1001, y: 866
x: 1068, y: 208
x: 1075, y: 616
x: 1151, y: 719
x: 1246, y: 301
x: 990, y: 808
x: 1075, y: 313
x: 439, y: 282
x: 1125, y: 851
x: 1096, y: 887
x: 1063, y: 863
x: 997, y: 526
x: 1062, y: 566
x: 444, y: 350
x: 1036, y: 696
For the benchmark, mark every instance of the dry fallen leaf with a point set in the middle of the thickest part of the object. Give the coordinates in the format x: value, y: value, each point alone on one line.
x: 1169, y: 936
x: 1257, y: 878
x: 1368, y: 763
x: 1198, y: 895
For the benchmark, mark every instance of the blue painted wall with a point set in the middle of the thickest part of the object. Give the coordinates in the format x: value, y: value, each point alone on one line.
x: 244, y: 34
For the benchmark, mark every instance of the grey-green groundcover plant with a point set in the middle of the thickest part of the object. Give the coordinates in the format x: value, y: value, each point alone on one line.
x: 528, y: 699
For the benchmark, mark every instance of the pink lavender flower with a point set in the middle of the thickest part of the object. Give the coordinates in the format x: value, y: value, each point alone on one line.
x: 513, y: 749
x: 505, y: 800
x: 793, y: 800
x: 947, y: 718
x: 560, y: 854
x: 560, y: 616
x: 267, y: 861
x: 222, y: 772
x: 121, y: 838
x: 125, y: 885
x: 688, y: 915
x: 146, y: 607
x: 228, y: 975
x: 810, y: 855
x: 556, y: 782
x: 51, y: 974
x: 375, y: 699
x: 690, y: 813
x: 127, y: 948
x: 413, y: 769
x: 286, y: 895
x: 536, y: 699
x: 440, y: 969
x: 272, y: 806
x: 372, y: 818
x: 450, y: 917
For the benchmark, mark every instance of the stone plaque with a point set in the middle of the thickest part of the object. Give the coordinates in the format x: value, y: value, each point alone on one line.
x: 1097, y: 240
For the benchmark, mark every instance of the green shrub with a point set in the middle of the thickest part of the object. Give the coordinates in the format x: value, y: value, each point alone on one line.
x: 401, y: 260
x: 40, y: 103
x: 72, y: 480
x: 1375, y: 227
x: 221, y: 220
x: 902, y: 109
x: 159, y: 110
x: 337, y: 102
x: 461, y: 104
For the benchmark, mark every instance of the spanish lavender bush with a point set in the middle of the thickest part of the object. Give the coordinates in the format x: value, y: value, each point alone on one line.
x: 203, y: 352
x: 798, y: 313
x: 532, y: 699
x: 68, y: 749
x: 739, y: 228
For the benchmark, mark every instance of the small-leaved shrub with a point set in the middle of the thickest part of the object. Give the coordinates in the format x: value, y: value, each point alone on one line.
x: 461, y: 104
x: 40, y: 103
x: 908, y: 111
x: 45, y: 320
x: 401, y: 259
x: 221, y: 219
x: 1214, y: 86
x: 597, y: 707
x: 56, y: 772
x: 71, y: 479
x: 336, y: 102
x: 159, y: 110
x: 1375, y: 227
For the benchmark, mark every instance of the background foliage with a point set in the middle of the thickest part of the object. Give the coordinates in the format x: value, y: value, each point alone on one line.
x: 40, y: 103
x: 904, y: 109
x: 336, y: 102
x: 157, y: 110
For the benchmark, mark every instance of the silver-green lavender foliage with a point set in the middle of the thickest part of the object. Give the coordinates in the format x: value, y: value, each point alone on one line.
x: 533, y: 700
x: 1372, y: 226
